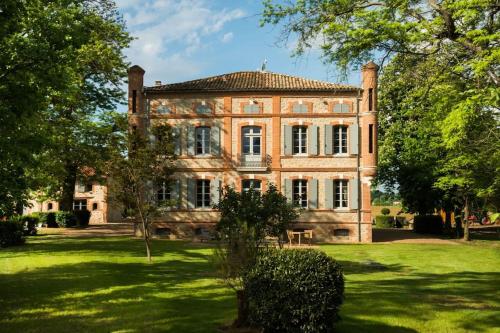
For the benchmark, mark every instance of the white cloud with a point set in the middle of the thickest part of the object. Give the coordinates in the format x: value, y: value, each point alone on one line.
x: 169, y: 33
x: 227, y: 37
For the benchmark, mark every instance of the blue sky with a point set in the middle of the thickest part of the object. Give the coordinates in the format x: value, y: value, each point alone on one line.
x: 179, y: 40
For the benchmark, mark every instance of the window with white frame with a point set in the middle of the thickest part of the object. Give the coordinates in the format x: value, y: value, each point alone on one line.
x: 341, y: 190
x: 252, y: 136
x: 299, y: 134
x: 203, y: 193
x: 80, y: 205
x: 163, y: 192
x: 247, y: 184
x: 299, y: 189
x: 340, y: 140
x: 202, y: 140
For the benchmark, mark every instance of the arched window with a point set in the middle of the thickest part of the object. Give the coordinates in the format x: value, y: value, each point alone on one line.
x: 94, y: 206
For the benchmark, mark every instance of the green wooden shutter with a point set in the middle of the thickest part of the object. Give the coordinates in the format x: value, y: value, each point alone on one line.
x: 215, y: 140
x: 328, y: 139
x: 191, y: 193
x: 353, y: 193
x: 288, y: 190
x: 176, y: 132
x: 353, y: 144
x: 288, y: 140
x: 191, y: 140
x: 313, y: 193
x: 215, y: 191
x: 337, y: 108
x: 346, y: 108
x: 313, y: 140
x: 329, y: 194
x: 299, y: 108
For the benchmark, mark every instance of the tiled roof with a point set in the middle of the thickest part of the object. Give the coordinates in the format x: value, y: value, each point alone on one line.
x: 251, y: 81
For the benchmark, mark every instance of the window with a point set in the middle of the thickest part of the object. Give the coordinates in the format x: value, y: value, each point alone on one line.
x: 341, y: 232
x: 341, y: 193
x: 163, y: 193
x: 203, y: 108
x: 88, y: 187
x: 341, y: 108
x: 251, y: 140
x: 370, y: 99
x: 50, y: 206
x: 80, y: 205
x: 299, y: 134
x: 202, y: 140
x: 340, y: 140
x: 247, y: 184
x: 94, y: 206
x: 203, y: 193
x: 300, y: 193
x: 370, y: 138
x: 164, y: 109
x: 299, y: 108
x: 251, y: 108
x: 134, y: 101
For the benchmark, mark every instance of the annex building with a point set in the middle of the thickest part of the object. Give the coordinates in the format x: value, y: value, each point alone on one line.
x: 316, y: 141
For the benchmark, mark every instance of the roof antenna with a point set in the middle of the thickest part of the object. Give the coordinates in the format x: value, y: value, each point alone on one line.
x: 263, y: 67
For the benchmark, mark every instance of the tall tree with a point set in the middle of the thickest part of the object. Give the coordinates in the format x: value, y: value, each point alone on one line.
x: 136, y: 170
x: 61, y: 64
x: 439, y: 94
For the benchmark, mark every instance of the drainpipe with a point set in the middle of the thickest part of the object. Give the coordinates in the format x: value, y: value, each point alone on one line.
x: 358, y: 167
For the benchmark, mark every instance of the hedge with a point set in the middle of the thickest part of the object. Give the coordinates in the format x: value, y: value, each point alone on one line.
x: 384, y: 221
x: 47, y: 219
x: 294, y: 291
x: 11, y: 233
x: 428, y: 224
x: 65, y: 219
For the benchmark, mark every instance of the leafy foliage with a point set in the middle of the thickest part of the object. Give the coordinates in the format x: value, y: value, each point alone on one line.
x: 294, y: 291
x: 384, y: 221
x: 65, y: 219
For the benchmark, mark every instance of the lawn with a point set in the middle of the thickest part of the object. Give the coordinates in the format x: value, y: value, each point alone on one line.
x: 105, y: 285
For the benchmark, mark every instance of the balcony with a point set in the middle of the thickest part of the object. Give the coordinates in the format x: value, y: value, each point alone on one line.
x: 253, y: 164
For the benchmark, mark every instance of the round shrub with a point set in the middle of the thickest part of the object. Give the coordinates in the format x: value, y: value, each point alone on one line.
x: 384, y: 221
x: 294, y: 291
x: 82, y: 217
x: 65, y: 219
x: 11, y: 233
x: 385, y: 211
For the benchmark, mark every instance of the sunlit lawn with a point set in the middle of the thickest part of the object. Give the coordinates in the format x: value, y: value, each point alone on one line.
x: 105, y: 285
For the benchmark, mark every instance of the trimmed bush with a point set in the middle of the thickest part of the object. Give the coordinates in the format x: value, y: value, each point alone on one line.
x: 82, y: 218
x: 47, y: 219
x: 385, y: 211
x: 383, y: 221
x: 428, y: 224
x: 11, y: 233
x: 294, y: 291
x: 65, y: 219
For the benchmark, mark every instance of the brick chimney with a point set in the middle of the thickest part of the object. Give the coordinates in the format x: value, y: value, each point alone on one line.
x: 136, y: 116
x: 368, y: 118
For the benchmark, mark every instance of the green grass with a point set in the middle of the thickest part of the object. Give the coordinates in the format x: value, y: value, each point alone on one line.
x: 105, y: 285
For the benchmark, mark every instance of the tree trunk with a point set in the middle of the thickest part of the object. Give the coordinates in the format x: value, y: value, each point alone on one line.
x: 147, y: 240
x: 68, y: 188
x: 466, y: 220
x: 242, y: 300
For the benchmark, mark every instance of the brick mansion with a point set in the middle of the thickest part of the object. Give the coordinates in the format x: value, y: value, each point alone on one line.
x: 316, y: 141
